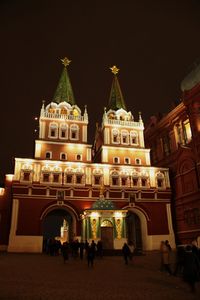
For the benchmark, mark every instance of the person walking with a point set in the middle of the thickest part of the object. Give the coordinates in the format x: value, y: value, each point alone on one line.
x: 126, y: 253
x: 191, y: 268
x: 165, y: 249
x: 90, y: 255
x: 65, y: 251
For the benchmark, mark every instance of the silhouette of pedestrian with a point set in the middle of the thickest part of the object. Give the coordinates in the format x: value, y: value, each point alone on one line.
x: 126, y: 253
x: 191, y: 267
x: 65, y: 251
x: 90, y: 255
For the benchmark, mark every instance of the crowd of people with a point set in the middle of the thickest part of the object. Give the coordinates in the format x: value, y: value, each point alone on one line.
x: 187, y: 262
x: 74, y: 249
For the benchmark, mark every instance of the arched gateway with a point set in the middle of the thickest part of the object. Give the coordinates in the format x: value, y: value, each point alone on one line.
x: 59, y: 222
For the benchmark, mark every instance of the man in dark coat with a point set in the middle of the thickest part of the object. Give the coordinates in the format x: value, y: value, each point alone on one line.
x: 191, y: 268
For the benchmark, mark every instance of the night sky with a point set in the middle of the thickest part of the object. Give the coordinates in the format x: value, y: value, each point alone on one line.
x: 154, y: 43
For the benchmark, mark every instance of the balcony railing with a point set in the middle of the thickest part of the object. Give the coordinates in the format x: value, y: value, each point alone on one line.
x: 62, y: 116
x: 124, y: 123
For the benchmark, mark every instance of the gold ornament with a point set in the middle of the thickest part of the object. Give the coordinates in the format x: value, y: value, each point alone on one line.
x: 114, y: 70
x: 65, y: 61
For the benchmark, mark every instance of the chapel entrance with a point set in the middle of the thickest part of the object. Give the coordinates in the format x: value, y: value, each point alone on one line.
x: 107, y: 234
x: 133, y: 226
x: 57, y: 224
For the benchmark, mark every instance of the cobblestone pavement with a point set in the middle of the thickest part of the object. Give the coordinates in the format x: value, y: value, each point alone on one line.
x: 42, y: 277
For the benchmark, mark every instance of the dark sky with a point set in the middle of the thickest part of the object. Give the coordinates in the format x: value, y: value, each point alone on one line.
x: 154, y: 43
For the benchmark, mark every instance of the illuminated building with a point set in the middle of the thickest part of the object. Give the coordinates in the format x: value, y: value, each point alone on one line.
x: 175, y: 143
x: 107, y: 191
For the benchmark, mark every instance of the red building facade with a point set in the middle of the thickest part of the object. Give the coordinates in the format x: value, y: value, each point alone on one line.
x: 175, y: 143
x: 107, y: 191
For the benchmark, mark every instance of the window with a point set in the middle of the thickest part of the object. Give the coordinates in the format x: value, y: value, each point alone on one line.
x: 114, y: 177
x: 55, y: 178
x: 74, y: 129
x: 115, y: 136
x: 127, y: 160
x: 115, y: 181
x: 63, y: 156
x: 116, y: 160
x: 63, y: 133
x: 53, y: 130
x: 97, y: 179
x: 46, y: 177
x: 138, y: 161
x: 159, y: 182
x: 135, y: 181
x: 166, y: 145
x: 144, y: 182
x: 134, y: 137
x: 69, y: 178
x: 124, y: 180
x: 26, y: 176
x: 187, y: 131
x: 48, y: 155
x: 78, y: 157
x: 79, y: 178
x: 124, y: 137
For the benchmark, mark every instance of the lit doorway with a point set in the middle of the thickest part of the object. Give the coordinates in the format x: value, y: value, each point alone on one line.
x: 107, y: 234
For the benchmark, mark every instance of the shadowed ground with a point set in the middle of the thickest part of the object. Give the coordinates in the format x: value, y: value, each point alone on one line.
x: 41, y: 277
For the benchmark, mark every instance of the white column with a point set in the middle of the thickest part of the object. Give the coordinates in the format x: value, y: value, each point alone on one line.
x: 14, y: 218
x: 84, y: 133
x: 171, y: 232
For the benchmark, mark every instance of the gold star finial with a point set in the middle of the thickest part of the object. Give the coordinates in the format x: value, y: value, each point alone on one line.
x: 65, y: 61
x: 114, y: 70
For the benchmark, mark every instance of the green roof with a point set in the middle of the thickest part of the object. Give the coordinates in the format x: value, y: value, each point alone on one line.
x: 103, y: 204
x: 116, y: 100
x: 64, y: 90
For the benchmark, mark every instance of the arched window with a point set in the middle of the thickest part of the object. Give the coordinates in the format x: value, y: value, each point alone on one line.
x: 116, y: 160
x: 97, y: 177
x: 115, y: 136
x: 160, y: 180
x: 124, y: 137
x: 138, y: 161
x: 134, y: 137
x: 115, y: 178
x: 78, y: 157
x: 63, y: 131
x: 74, y: 132
x: 63, y: 156
x: 79, y: 176
x: 135, y: 178
x: 53, y: 130
x: 45, y: 175
x: 127, y: 160
x: 48, y: 155
x: 26, y: 173
x: 69, y: 176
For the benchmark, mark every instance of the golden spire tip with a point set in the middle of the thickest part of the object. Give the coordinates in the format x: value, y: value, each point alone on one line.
x: 114, y: 70
x: 65, y: 61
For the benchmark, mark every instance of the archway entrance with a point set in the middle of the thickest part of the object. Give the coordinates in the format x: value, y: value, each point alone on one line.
x: 107, y: 234
x: 57, y: 224
x: 133, y: 226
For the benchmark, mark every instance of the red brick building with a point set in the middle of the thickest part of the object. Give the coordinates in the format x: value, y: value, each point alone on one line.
x: 174, y: 140
x: 71, y: 189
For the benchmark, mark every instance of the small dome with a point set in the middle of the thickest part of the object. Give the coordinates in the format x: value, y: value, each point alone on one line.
x: 192, y: 79
x: 103, y: 204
